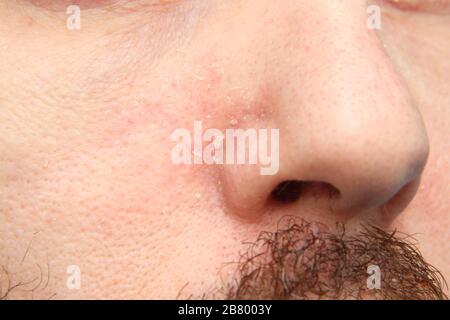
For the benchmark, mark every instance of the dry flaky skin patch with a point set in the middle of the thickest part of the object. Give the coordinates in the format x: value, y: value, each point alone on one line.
x: 306, y: 261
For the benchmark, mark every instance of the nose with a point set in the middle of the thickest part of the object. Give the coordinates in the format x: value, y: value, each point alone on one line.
x: 346, y: 119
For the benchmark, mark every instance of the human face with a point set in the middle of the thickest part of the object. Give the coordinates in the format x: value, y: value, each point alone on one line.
x: 87, y: 182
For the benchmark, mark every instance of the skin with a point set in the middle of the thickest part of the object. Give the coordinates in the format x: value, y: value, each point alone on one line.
x: 86, y: 116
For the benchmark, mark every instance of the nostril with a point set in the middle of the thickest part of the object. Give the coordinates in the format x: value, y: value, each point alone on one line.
x: 288, y: 191
x: 291, y: 190
x: 400, y: 200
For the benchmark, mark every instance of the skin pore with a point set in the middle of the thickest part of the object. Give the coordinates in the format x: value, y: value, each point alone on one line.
x: 86, y: 177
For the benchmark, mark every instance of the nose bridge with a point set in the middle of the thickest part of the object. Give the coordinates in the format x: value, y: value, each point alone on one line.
x: 336, y: 72
x: 335, y: 58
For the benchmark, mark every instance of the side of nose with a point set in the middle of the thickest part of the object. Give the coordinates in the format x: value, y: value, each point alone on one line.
x: 345, y: 119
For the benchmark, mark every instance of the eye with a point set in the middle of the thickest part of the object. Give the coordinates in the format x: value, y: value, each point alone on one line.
x: 431, y: 6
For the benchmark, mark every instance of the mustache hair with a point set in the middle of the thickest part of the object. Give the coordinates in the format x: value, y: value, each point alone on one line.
x: 305, y: 260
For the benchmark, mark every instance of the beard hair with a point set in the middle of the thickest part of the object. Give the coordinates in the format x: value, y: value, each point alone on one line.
x: 305, y: 260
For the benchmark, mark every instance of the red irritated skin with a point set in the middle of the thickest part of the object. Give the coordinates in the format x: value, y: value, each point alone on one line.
x: 86, y: 116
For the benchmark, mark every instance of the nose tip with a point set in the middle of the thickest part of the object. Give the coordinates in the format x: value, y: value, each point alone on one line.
x: 370, y: 176
x: 355, y: 177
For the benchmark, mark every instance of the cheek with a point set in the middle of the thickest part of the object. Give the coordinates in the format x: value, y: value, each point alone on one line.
x: 151, y: 110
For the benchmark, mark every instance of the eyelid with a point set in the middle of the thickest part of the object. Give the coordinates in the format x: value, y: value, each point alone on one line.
x: 430, y: 6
